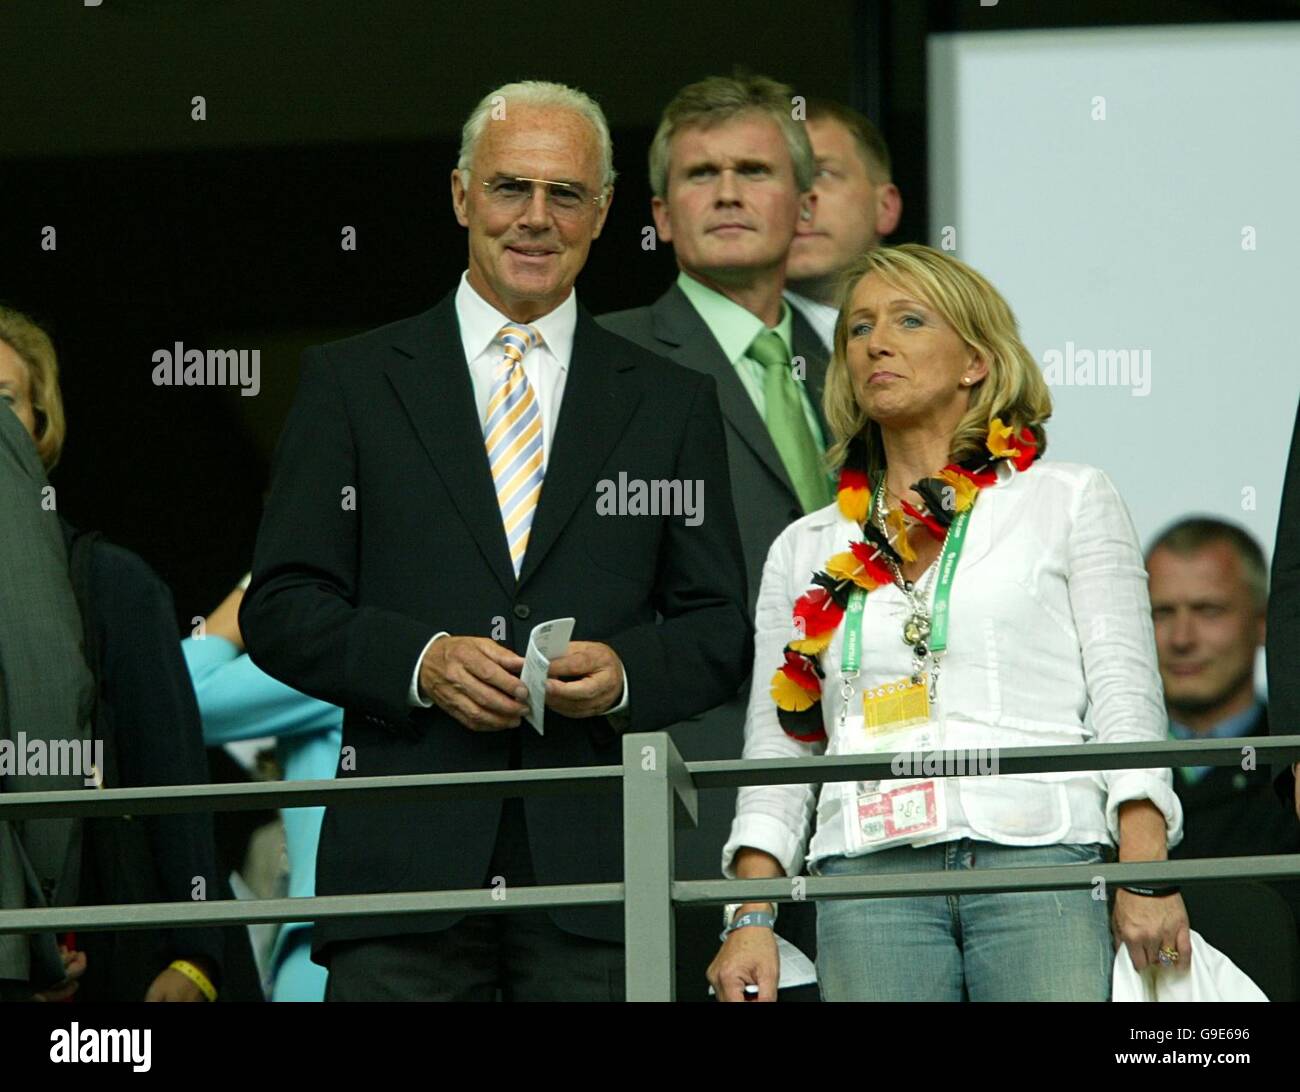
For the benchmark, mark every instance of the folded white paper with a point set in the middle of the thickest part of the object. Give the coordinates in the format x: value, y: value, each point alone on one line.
x: 548, y: 641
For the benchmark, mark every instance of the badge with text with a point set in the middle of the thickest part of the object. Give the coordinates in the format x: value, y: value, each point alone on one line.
x: 894, y: 705
x: 915, y: 809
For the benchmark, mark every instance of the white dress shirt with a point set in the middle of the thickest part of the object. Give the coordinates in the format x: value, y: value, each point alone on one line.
x: 821, y: 316
x: 1050, y: 643
x: 546, y: 366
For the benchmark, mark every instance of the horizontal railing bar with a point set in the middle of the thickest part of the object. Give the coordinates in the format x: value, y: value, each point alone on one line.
x: 606, y: 780
x: 988, y: 881
x: 320, y: 908
x: 685, y: 893
x: 732, y: 773
x: 397, y: 789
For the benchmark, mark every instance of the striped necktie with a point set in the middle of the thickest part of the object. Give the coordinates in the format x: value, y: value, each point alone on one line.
x: 512, y: 432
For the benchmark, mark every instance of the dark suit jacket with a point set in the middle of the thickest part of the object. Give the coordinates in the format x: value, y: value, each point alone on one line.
x: 767, y: 504
x: 1283, y: 642
x: 344, y: 599
x: 45, y: 694
x: 764, y: 496
x: 148, y: 718
x: 1231, y: 812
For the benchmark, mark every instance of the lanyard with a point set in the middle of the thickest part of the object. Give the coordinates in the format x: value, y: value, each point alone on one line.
x: 851, y: 653
x: 947, y: 567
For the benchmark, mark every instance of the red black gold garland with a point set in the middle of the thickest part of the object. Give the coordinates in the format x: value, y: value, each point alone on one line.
x: 797, y: 684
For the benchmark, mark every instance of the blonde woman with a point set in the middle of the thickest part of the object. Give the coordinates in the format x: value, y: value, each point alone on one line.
x: 959, y: 594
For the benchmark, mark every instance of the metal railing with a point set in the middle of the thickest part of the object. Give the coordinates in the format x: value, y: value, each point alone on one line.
x: 659, y: 793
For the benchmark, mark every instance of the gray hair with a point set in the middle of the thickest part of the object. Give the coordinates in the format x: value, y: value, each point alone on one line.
x: 537, y: 93
x: 1190, y: 536
x: 719, y: 99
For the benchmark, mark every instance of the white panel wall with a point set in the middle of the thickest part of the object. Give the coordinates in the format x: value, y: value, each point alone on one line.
x: 1139, y: 190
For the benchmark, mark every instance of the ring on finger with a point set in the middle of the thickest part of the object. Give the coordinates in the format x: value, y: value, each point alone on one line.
x: 1168, y: 955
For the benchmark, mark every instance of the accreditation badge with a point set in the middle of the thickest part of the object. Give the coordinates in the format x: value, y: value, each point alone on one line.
x: 879, y: 814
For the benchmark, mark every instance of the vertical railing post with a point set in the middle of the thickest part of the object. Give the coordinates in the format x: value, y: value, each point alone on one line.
x: 657, y: 791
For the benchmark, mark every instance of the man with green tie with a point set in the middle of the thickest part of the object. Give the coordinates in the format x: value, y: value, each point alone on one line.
x: 731, y: 172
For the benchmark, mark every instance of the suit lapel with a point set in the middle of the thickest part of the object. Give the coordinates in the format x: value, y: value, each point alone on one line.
x: 809, y: 346
x: 678, y: 325
x: 429, y: 373
x: 598, y: 402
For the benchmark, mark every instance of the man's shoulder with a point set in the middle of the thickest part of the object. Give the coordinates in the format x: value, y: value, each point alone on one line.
x: 633, y: 349
x: 125, y: 575
x: 381, y: 339
x: 640, y: 324
x: 632, y: 322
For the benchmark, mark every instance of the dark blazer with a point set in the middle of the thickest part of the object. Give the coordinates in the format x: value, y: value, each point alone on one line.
x: 767, y: 504
x: 45, y: 694
x: 1231, y: 812
x: 344, y: 597
x: 148, y: 718
x: 1283, y: 642
x: 765, y: 498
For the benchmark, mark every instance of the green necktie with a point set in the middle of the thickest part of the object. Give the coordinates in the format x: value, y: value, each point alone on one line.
x: 787, y: 424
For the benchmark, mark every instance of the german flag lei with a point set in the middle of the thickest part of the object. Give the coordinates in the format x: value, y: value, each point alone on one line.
x: 797, y: 684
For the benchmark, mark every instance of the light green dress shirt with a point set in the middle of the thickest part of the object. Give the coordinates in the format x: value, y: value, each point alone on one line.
x: 734, y: 329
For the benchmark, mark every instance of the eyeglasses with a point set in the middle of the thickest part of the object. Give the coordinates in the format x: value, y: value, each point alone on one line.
x: 565, y: 199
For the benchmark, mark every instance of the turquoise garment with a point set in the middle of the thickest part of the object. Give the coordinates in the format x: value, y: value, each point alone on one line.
x: 1231, y: 728
x: 238, y: 700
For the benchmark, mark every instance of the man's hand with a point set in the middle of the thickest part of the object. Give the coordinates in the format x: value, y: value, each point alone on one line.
x: 748, y: 957
x: 476, y: 681
x: 171, y: 985
x: 587, y: 681
x: 74, y: 966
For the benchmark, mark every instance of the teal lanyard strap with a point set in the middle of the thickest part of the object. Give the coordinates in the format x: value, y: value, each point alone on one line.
x: 947, y: 568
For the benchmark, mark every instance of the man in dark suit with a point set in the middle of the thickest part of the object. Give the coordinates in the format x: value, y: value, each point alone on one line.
x: 731, y: 173
x: 1209, y: 597
x: 1284, y: 628
x: 442, y: 485
x: 45, y: 699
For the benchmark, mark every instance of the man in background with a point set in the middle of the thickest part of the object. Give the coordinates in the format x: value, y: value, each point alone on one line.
x: 731, y: 172
x: 856, y: 206
x: 1209, y: 598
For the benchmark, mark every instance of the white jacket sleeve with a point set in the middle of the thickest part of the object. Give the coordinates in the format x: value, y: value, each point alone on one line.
x: 1112, y: 614
x: 774, y: 818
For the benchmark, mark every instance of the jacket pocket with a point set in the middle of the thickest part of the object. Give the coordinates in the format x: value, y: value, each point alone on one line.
x: 1016, y: 810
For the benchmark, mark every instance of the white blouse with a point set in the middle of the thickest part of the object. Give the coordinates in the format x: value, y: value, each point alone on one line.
x: 1050, y: 642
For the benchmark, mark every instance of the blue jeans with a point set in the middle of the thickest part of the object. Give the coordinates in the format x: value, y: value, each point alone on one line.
x: 1019, y: 946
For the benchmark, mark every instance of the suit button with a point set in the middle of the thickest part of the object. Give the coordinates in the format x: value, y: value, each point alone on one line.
x: 522, y: 610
